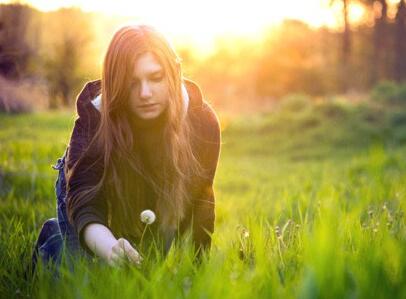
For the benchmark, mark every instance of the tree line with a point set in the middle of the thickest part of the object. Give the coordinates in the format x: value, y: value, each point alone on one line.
x: 60, y: 49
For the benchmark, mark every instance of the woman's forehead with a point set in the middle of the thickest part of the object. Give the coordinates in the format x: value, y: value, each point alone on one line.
x: 146, y: 64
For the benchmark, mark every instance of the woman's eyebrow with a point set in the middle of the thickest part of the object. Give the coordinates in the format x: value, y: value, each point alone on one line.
x: 159, y: 72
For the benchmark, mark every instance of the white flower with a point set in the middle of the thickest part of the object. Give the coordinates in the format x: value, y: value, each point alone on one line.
x: 147, y: 216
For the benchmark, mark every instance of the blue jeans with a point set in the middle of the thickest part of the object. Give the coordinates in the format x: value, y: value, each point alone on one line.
x: 57, y: 234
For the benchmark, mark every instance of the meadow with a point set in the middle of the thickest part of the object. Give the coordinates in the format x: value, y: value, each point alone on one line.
x: 310, y: 203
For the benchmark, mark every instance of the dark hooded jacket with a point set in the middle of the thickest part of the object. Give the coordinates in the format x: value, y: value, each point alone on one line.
x: 200, y: 214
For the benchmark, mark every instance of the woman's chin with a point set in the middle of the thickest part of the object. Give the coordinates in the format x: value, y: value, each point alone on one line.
x: 147, y: 119
x: 148, y: 114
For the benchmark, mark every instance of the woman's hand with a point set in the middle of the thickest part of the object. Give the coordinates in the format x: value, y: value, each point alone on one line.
x: 121, y: 252
x: 101, y: 241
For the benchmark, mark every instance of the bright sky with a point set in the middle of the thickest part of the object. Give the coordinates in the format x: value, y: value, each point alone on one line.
x: 203, y: 21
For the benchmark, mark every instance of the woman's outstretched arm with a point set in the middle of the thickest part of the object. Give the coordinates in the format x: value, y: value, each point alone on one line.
x: 102, y: 242
x: 90, y: 217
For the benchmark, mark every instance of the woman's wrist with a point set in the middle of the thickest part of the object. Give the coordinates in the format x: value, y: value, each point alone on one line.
x: 99, y: 239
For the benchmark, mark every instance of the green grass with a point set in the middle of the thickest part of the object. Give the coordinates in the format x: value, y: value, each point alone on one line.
x: 321, y: 192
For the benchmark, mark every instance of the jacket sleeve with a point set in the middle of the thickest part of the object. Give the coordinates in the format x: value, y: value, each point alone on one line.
x: 87, y: 172
x: 204, y: 202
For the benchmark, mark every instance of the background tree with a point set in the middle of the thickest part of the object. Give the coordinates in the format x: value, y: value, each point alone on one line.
x: 380, y: 58
x: 66, y: 54
x: 17, y: 43
x: 293, y: 59
x: 400, y: 42
x: 344, y: 66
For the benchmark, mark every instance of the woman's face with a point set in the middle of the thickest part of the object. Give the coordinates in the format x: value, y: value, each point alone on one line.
x: 149, y: 88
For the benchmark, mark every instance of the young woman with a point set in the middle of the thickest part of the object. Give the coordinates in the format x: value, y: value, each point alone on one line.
x: 144, y: 139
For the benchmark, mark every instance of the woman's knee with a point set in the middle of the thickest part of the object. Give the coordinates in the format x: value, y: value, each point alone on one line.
x: 49, y: 228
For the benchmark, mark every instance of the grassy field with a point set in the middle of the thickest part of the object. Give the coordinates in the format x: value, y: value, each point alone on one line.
x: 310, y: 204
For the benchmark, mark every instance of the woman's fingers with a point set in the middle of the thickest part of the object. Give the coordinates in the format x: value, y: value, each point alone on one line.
x: 131, y: 253
x: 116, y: 260
x: 117, y: 255
x: 123, y: 251
x: 119, y: 250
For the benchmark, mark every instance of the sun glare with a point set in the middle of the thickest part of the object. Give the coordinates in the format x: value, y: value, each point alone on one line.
x: 202, y: 22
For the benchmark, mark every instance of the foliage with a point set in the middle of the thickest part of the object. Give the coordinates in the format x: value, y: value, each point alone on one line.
x: 65, y: 65
x: 10, y: 101
x: 295, y: 103
x: 293, y: 60
x: 389, y: 91
x: 22, y: 96
x: 291, y: 57
x: 18, y: 41
x: 41, y: 47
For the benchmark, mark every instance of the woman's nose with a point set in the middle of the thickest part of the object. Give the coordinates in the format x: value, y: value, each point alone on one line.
x: 145, y: 90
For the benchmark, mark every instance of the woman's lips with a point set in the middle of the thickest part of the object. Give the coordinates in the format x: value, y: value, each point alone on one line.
x: 147, y: 106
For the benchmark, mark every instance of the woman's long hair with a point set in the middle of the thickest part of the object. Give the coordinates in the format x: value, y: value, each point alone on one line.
x: 126, y: 173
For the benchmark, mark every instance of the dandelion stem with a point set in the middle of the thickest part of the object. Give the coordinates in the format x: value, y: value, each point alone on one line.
x: 143, y: 233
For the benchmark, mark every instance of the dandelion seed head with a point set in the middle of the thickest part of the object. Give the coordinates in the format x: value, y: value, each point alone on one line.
x: 147, y: 217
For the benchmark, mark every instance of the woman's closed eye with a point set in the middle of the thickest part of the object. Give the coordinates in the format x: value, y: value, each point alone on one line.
x: 157, y: 78
x: 135, y: 83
